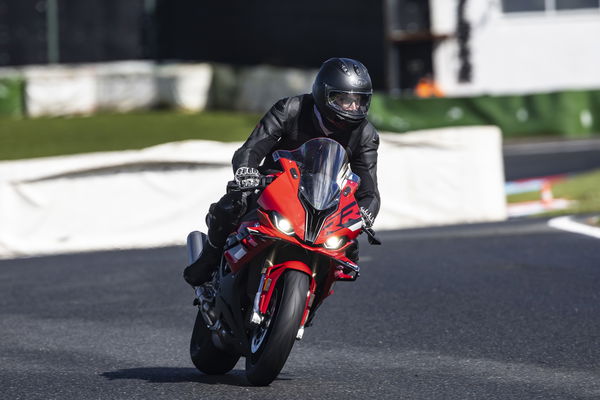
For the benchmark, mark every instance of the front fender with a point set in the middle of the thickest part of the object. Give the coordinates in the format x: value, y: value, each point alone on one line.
x: 273, y: 274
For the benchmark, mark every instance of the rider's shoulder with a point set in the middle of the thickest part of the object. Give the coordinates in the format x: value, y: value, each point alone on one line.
x: 290, y: 105
x: 368, y: 133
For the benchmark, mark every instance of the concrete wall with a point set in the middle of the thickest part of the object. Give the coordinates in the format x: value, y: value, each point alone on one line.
x: 518, y: 52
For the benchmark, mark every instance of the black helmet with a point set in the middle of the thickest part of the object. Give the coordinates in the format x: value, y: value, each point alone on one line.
x: 342, y: 91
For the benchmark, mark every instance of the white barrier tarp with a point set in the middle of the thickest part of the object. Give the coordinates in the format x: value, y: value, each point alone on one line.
x: 261, y: 87
x: 184, y: 86
x: 156, y: 196
x: 441, y: 177
x: 121, y: 86
x: 59, y: 90
x: 110, y: 200
x: 125, y: 85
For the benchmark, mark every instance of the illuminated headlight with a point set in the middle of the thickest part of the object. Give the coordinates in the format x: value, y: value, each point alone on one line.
x: 334, y: 242
x: 283, y: 224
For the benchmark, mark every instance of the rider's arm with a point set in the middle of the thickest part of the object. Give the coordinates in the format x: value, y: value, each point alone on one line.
x: 263, y: 137
x: 364, y: 164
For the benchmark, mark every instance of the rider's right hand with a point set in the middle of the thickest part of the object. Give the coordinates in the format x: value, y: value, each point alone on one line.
x: 247, y: 177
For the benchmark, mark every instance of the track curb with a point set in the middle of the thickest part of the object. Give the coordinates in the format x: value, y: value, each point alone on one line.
x: 567, y: 223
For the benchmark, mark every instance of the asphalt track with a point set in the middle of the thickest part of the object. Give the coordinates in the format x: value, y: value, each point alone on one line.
x: 543, y: 158
x: 494, y: 311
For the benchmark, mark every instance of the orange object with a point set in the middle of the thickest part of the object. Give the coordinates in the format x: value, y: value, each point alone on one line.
x: 547, y: 196
x: 428, y: 88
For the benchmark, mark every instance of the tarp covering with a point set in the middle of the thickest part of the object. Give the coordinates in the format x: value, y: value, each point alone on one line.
x: 60, y: 90
x: 184, y: 86
x: 156, y: 196
x: 125, y: 86
x: 260, y: 87
x: 115, y: 87
x: 11, y: 96
x: 570, y: 113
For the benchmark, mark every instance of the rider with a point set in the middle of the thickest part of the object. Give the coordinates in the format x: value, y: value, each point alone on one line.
x: 337, y: 108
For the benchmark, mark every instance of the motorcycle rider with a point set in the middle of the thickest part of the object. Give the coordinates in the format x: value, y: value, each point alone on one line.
x: 337, y: 108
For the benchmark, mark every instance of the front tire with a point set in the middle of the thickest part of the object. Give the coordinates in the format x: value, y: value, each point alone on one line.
x: 272, y: 341
x: 205, y: 355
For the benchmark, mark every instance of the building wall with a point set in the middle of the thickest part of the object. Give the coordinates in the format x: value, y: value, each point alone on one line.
x: 518, y: 52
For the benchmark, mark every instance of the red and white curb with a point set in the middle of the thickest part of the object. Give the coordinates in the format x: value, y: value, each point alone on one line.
x: 568, y: 224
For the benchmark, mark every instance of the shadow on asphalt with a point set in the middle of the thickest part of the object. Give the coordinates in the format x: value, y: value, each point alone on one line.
x: 177, y: 375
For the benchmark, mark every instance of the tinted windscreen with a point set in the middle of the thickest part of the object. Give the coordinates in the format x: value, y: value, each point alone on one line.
x: 323, y: 164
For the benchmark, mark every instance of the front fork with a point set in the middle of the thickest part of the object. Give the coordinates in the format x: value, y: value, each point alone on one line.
x: 270, y: 274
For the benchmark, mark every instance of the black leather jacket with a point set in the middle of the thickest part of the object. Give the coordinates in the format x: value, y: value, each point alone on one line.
x: 290, y: 123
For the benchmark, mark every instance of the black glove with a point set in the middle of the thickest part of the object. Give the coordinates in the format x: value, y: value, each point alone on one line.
x: 247, y: 177
x: 367, y: 217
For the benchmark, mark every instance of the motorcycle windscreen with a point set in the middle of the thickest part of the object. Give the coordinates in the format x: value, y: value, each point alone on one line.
x: 323, y: 166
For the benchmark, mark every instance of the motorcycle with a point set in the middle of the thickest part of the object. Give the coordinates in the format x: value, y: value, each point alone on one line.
x: 280, y: 264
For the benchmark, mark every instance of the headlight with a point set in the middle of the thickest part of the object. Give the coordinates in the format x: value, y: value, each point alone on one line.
x: 283, y: 224
x: 334, y: 242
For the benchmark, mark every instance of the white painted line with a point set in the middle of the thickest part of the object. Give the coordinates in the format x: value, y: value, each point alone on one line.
x: 568, y: 224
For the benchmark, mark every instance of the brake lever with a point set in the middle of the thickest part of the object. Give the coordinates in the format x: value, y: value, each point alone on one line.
x: 371, y: 236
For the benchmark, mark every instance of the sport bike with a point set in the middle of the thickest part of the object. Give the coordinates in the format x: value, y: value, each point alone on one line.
x: 280, y: 264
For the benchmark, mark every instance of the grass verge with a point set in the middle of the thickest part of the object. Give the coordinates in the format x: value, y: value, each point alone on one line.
x: 42, y: 137
x: 583, y: 188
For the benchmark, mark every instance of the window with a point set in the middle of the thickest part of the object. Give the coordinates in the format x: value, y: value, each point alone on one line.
x: 523, y: 5
x: 575, y: 4
x: 510, y: 6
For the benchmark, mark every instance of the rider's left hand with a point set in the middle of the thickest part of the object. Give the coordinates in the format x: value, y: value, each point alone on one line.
x: 367, y: 217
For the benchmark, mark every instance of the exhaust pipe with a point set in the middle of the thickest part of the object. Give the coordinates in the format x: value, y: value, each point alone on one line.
x: 195, y: 244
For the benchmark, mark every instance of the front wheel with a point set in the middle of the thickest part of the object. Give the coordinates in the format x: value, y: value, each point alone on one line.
x: 271, y: 342
x: 205, y: 355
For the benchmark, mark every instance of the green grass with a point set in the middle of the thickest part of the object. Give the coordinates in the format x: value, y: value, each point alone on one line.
x: 583, y: 188
x: 41, y: 137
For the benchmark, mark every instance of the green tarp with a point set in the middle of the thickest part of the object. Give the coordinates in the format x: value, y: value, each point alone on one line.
x: 571, y: 114
x: 11, y: 97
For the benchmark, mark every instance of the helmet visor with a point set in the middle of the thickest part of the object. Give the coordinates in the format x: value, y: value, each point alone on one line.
x: 349, y: 103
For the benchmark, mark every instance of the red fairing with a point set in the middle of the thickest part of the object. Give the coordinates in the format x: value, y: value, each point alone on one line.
x: 346, y: 221
x: 282, y: 196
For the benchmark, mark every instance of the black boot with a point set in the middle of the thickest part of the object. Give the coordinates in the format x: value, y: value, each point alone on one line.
x: 201, y: 270
x: 222, y: 219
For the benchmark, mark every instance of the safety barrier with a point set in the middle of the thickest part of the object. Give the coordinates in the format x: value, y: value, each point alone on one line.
x: 11, y: 95
x: 155, y: 196
x: 134, y: 85
x: 568, y: 113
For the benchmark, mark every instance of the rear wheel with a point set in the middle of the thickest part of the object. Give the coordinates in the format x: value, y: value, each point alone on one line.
x: 271, y: 342
x: 205, y: 355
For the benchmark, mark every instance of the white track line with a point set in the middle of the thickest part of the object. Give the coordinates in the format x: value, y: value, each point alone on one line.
x: 568, y: 224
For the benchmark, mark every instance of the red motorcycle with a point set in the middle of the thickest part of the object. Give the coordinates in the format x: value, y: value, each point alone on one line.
x: 280, y: 264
